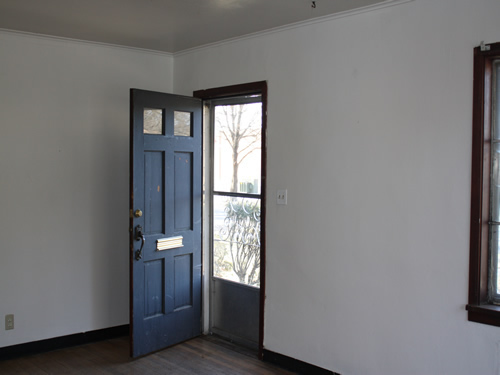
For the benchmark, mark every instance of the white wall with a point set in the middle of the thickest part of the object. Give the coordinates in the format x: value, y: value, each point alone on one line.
x: 370, y: 131
x: 64, y: 122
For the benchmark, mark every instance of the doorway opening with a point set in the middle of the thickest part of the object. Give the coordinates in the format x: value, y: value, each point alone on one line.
x: 234, y: 211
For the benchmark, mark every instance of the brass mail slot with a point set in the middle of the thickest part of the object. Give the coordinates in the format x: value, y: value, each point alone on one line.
x: 169, y: 243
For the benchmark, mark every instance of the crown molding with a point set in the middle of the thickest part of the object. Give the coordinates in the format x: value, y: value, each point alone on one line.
x: 349, y: 13
x: 83, y: 42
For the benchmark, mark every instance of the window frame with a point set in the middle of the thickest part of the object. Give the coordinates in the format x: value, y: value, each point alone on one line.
x: 234, y: 100
x: 480, y: 308
x: 259, y: 87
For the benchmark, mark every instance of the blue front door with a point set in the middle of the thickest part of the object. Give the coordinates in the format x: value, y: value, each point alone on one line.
x: 165, y: 220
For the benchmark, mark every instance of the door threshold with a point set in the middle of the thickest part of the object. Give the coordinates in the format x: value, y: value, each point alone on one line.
x: 231, y: 345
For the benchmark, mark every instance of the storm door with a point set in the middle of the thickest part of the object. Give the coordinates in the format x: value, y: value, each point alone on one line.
x: 236, y: 218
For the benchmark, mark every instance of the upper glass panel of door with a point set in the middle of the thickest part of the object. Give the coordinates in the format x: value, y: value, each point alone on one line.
x: 182, y: 124
x: 237, y: 148
x: 154, y: 123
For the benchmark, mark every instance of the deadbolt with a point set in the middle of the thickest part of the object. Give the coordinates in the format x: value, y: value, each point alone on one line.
x: 138, y: 213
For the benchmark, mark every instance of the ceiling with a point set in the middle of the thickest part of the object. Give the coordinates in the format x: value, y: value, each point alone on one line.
x: 163, y: 25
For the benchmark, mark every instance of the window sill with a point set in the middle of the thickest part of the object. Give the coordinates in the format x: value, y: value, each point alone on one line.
x: 486, y: 314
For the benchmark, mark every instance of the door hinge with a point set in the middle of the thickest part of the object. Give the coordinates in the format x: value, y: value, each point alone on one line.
x: 484, y: 47
x: 131, y: 215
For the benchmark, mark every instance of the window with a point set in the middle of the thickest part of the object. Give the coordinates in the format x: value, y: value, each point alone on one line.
x: 484, y: 275
x: 237, y: 176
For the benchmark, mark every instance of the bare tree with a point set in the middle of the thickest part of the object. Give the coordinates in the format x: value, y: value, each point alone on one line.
x: 242, y: 137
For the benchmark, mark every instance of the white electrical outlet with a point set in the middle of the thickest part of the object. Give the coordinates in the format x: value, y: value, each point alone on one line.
x: 9, y: 322
x: 282, y: 197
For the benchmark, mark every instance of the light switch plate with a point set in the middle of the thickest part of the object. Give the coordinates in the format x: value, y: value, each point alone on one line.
x: 9, y: 322
x: 282, y: 197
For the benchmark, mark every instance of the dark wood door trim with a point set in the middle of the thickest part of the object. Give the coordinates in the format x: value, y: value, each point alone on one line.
x: 239, y: 90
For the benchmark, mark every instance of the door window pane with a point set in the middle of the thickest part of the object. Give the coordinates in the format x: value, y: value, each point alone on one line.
x: 237, y: 148
x: 182, y: 124
x: 495, y: 182
x: 495, y: 108
x: 236, y: 239
x: 153, y: 121
x: 494, y: 264
x: 494, y: 287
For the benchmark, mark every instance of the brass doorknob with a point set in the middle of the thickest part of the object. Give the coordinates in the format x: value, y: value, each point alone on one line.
x: 138, y: 213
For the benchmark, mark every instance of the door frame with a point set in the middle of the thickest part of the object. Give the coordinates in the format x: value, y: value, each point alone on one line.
x: 259, y: 87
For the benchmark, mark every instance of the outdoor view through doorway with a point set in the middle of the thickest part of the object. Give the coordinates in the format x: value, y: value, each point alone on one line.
x: 236, y: 217
x: 237, y: 171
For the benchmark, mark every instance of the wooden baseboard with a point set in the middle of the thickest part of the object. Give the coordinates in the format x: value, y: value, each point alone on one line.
x: 41, y: 346
x: 293, y: 364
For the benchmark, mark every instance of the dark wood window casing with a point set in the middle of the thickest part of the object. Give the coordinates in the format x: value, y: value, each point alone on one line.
x: 259, y: 87
x: 480, y: 308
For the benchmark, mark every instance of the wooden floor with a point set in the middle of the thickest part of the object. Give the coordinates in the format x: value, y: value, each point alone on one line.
x: 203, y: 355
